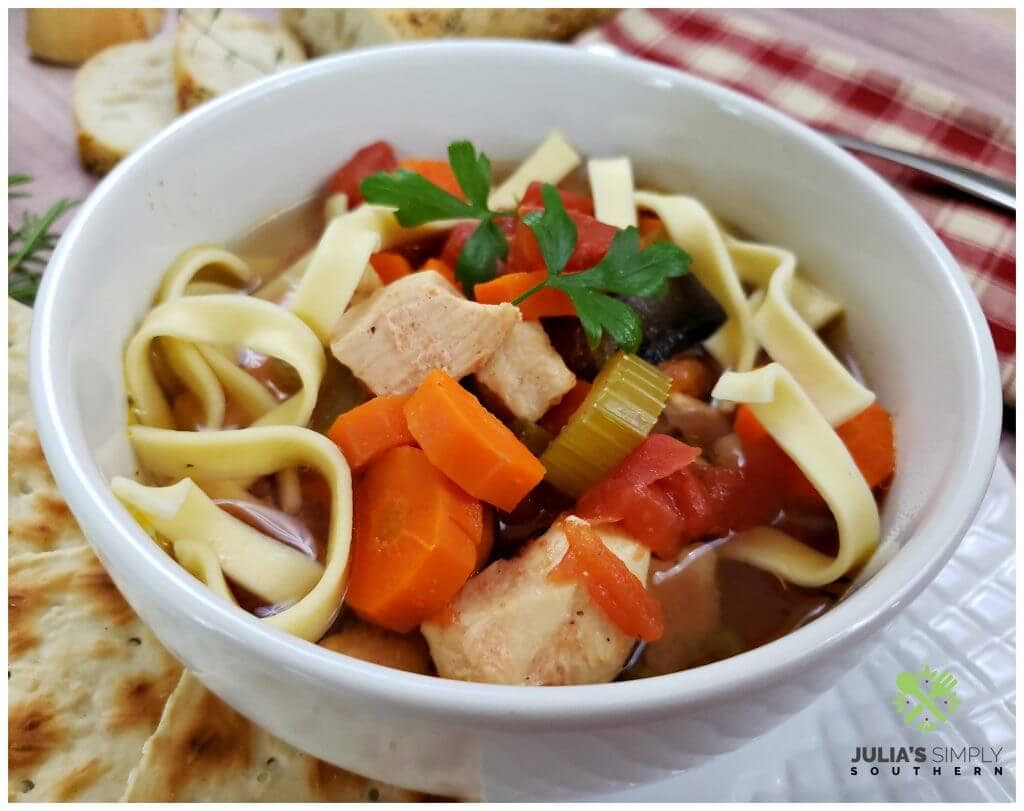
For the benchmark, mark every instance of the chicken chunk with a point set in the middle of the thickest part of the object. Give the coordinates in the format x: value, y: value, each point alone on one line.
x: 687, y: 590
x: 393, y: 338
x: 694, y: 421
x: 511, y: 625
x: 526, y: 373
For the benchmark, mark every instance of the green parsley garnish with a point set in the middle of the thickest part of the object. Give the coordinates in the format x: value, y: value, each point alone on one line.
x: 625, y: 270
x: 419, y: 201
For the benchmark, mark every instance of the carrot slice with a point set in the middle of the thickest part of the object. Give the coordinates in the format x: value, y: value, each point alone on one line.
x: 365, y: 432
x: 437, y: 172
x: 512, y: 285
x: 390, y: 266
x: 410, y: 555
x: 443, y: 269
x: 561, y: 412
x: 469, y: 444
x: 616, y: 590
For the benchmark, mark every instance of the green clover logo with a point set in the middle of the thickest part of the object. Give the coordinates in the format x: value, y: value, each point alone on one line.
x: 926, y: 697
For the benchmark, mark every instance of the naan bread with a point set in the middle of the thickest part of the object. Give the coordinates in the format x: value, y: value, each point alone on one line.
x: 205, y: 751
x: 38, y: 518
x: 87, y: 680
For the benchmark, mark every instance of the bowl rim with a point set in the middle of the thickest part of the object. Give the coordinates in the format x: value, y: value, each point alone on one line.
x: 518, y: 707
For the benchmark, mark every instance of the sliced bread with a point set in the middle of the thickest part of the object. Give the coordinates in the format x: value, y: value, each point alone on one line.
x: 326, y: 31
x: 121, y: 97
x: 217, y: 51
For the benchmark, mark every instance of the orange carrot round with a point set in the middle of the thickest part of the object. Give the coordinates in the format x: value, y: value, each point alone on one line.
x: 437, y: 172
x: 616, y: 590
x: 390, y: 266
x: 410, y: 555
x: 510, y: 286
x: 369, y: 429
x: 469, y: 444
x: 442, y: 268
x: 868, y: 437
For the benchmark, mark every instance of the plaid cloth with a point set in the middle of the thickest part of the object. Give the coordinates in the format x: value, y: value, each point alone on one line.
x: 831, y: 91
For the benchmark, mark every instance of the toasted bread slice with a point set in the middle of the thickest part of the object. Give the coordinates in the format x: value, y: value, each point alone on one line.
x: 326, y: 31
x: 122, y: 96
x: 215, y: 52
x: 70, y: 36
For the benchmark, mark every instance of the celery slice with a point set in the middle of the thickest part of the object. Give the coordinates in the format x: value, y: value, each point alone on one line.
x: 625, y: 402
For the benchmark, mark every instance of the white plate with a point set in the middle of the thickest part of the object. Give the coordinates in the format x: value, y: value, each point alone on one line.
x: 964, y: 622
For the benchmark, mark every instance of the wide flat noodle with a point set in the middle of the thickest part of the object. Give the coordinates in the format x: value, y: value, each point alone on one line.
x: 231, y: 320
x: 238, y: 761
x: 550, y: 162
x: 181, y: 512
x: 87, y: 681
x: 333, y: 273
x: 250, y: 453
x: 755, y: 262
x: 793, y: 421
x: 38, y: 518
x: 200, y: 560
x: 611, y: 186
x: 792, y: 342
x: 184, y: 358
x: 690, y: 225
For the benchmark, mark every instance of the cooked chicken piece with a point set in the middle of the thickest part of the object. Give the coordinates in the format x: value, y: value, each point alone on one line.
x: 694, y: 421
x: 393, y: 338
x: 372, y: 644
x: 511, y: 625
x: 689, y: 597
x: 526, y: 373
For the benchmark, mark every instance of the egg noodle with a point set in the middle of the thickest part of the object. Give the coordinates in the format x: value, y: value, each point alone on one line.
x: 199, y: 324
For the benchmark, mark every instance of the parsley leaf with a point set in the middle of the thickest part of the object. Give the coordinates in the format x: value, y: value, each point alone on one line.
x: 625, y: 270
x: 478, y: 261
x: 420, y: 201
x: 472, y: 171
x: 417, y: 199
x: 554, y: 229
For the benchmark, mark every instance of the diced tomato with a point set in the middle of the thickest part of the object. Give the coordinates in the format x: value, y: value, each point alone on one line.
x: 664, y: 501
x: 616, y: 590
x: 593, y: 238
x: 375, y: 157
x: 573, y: 201
x: 633, y: 495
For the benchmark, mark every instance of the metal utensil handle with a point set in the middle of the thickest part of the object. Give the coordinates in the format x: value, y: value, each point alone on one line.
x: 993, y: 189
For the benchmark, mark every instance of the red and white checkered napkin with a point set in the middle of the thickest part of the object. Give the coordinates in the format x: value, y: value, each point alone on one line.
x: 832, y: 91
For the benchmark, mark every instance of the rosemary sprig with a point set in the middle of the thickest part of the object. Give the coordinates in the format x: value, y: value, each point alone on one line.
x: 28, y: 247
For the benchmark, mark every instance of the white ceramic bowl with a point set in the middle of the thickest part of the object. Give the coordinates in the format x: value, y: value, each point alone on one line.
x: 916, y: 327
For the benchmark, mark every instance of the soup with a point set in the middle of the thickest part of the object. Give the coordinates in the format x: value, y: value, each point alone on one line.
x: 538, y: 431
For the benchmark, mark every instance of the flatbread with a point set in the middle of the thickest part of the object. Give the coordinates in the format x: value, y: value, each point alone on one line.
x: 87, y: 680
x: 205, y: 751
x: 38, y: 518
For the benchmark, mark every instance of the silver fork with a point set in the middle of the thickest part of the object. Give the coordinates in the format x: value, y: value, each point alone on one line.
x: 993, y: 189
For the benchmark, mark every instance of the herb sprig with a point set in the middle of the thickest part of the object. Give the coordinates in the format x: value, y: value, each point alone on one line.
x: 28, y: 247
x: 418, y: 201
x: 625, y: 270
